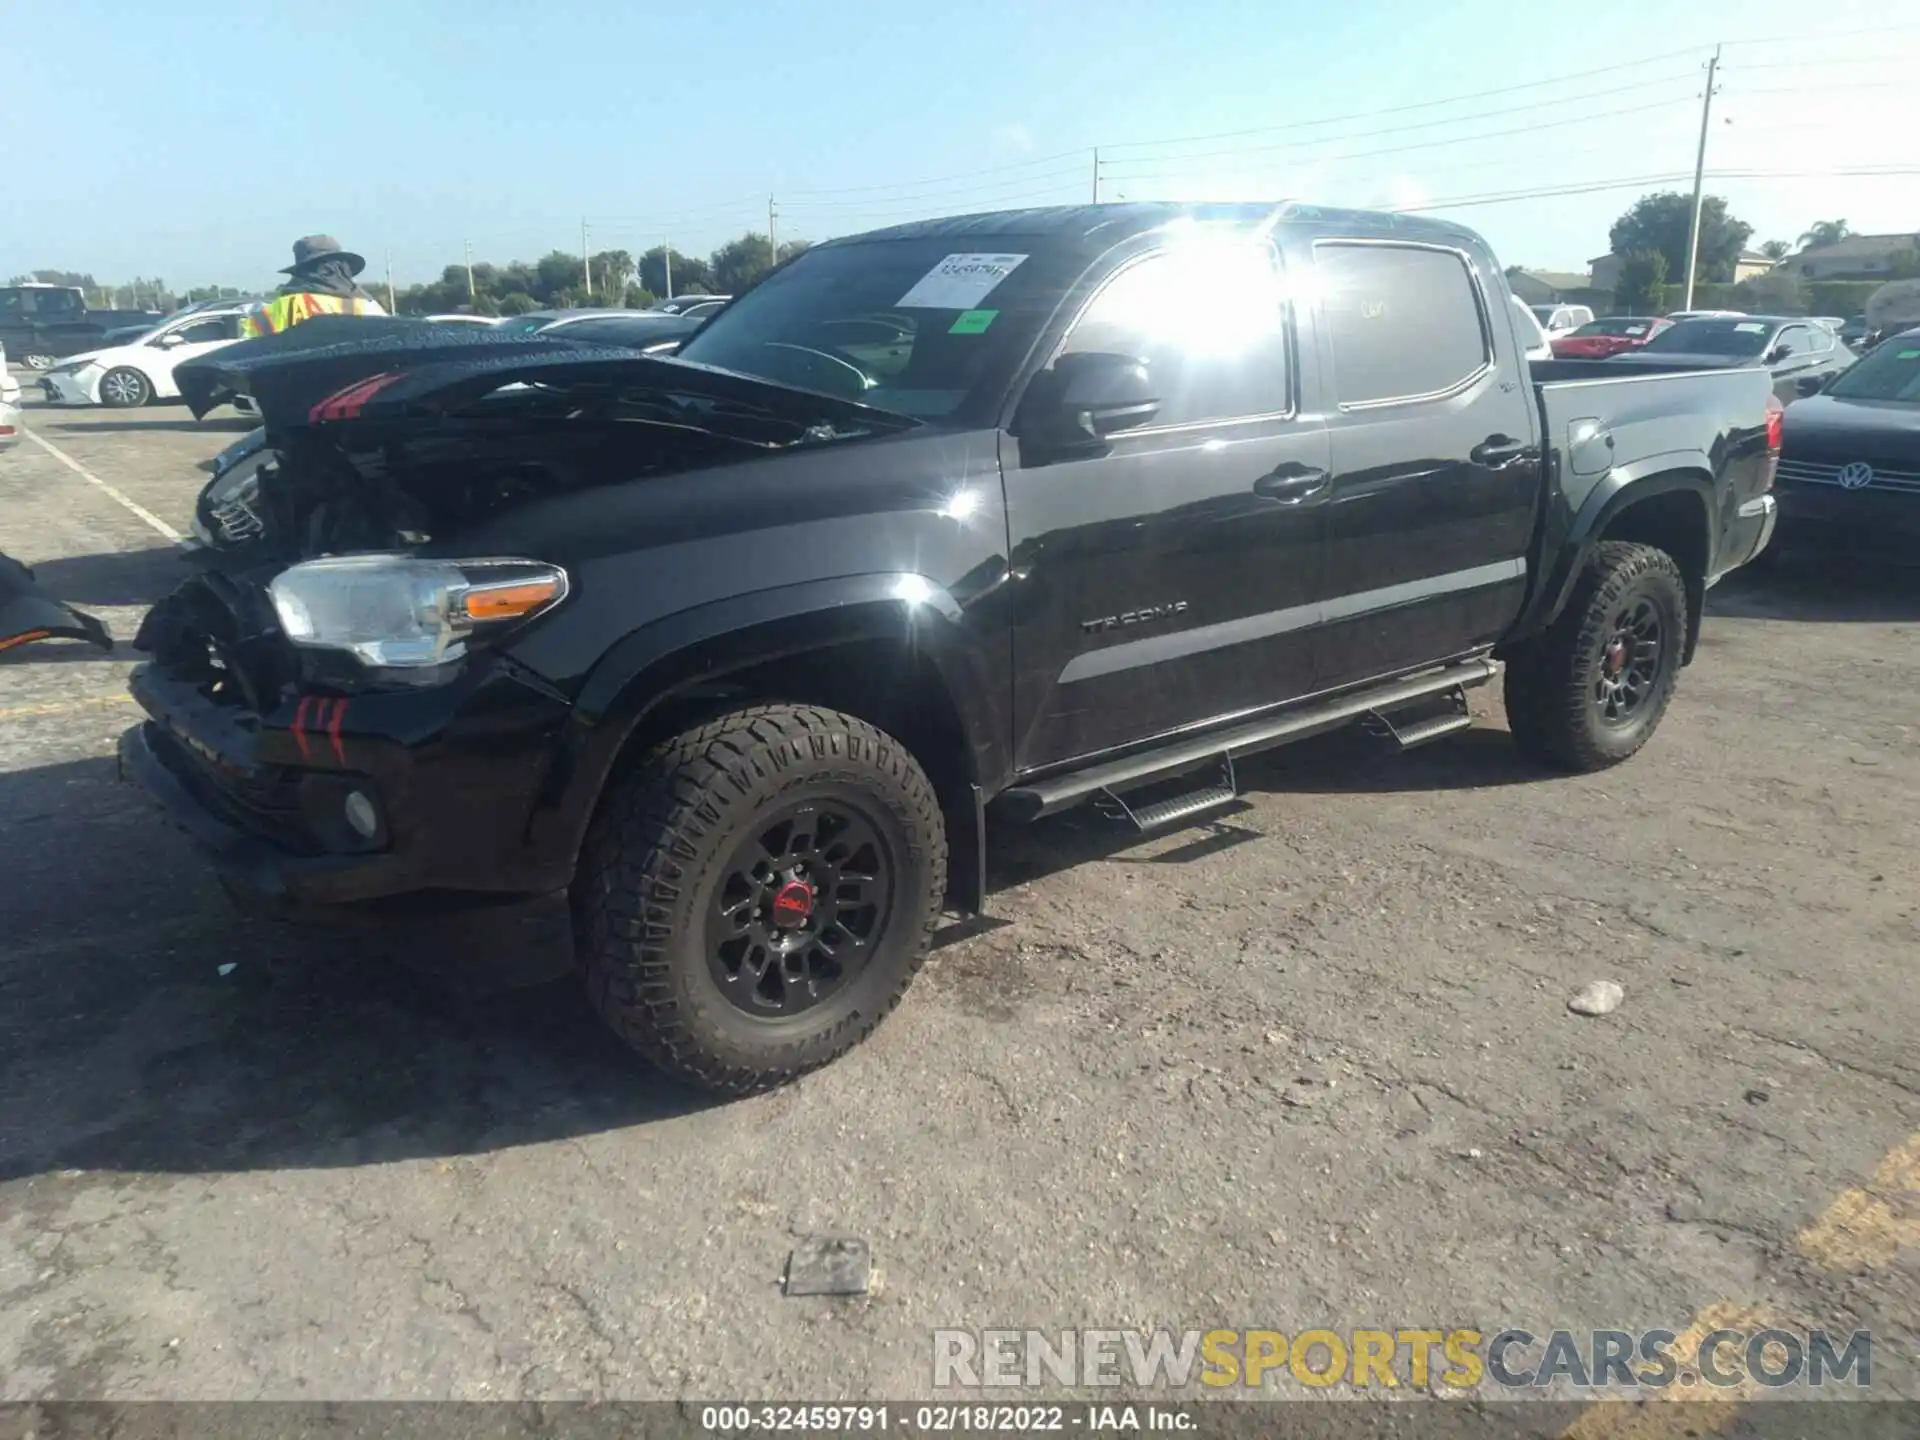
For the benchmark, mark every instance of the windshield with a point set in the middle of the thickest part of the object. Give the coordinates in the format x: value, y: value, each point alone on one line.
x: 1616, y: 325
x: 1739, y: 338
x: 915, y: 326
x: 1890, y: 373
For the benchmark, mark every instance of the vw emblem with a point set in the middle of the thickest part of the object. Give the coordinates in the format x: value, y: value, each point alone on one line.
x: 1856, y: 476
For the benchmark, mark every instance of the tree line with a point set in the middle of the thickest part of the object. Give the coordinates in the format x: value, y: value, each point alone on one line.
x: 558, y: 281
x: 1651, y: 239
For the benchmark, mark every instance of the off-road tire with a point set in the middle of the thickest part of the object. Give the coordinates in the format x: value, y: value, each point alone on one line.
x: 124, y: 388
x: 659, y: 845
x: 1550, y: 679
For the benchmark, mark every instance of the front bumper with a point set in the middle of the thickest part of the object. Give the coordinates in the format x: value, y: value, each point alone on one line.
x: 79, y: 387
x: 451, y: 775
x: 1869, y: 523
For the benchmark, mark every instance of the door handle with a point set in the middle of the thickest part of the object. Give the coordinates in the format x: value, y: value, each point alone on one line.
x: 1497, y: 450
x: 1292, y: 483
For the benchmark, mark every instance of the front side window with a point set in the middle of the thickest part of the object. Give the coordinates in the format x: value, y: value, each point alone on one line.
x: 201, y: 332
x: 1796, y: 341
x: 1405, y: 321
x: 1208, y: 318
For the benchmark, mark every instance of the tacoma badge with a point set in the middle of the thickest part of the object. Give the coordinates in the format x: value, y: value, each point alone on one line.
x: 1135, y: 617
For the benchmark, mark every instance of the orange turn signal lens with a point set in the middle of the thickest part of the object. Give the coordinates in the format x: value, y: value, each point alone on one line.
x: 512, y: 600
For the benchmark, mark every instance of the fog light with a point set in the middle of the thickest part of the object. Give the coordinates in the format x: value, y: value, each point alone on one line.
x: 361, y: 815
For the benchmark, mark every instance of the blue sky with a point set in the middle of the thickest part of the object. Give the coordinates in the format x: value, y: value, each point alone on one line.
x: 195, y: 140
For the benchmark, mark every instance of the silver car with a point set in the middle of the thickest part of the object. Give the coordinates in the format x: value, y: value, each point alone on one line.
x: 9, y: 405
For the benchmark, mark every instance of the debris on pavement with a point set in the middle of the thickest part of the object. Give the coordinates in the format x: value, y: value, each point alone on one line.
x: 227, y: 969
x: 829, y: 1265
x: 1601, y: 997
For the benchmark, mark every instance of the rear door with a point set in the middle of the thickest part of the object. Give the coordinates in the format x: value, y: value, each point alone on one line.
x: 1169, y: 578
x: 1436, y: 456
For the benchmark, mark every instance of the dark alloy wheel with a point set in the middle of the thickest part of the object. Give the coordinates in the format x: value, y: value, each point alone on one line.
x: 1628, y: 666
x: 1590, y: 690
x: 756, y: 894
x: 798, y: 907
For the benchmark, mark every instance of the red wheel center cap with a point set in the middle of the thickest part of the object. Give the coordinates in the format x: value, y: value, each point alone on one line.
x: 792, y: 904
x: 1616, y: 656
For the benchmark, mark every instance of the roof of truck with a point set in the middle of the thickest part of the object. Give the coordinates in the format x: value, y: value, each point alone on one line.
x: 1095, y: 227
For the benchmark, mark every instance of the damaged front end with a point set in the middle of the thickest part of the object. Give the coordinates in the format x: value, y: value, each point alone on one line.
x: 28, y: 613
x: 335, y: 707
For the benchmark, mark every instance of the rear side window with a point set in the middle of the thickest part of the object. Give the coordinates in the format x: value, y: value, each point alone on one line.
x: 1217, y: 349
x: 1405, y: 321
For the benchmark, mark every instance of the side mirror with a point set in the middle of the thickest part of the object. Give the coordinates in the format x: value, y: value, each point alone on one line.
x: 1810, y: 384
x: 171, y: 339
x: 1775, y: 355
x: 1099, y: 394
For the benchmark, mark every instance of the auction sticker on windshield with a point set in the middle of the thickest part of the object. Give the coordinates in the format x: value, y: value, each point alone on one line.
x: 1749, y: 328
x: 960, y: 282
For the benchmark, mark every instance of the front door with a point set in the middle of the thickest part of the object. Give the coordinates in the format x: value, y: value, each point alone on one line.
x: 1166, y: 576
x: 1436, y: 459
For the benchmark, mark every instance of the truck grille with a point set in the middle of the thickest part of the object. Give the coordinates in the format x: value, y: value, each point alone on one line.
x: 1812, y: 472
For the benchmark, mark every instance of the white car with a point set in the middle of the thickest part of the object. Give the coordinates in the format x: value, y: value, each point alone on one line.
x: 1532, y: 337
x: 124, y: 376
x: 1558, y: 320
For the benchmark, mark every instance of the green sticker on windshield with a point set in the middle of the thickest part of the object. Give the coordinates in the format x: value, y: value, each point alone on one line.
x: 972, y: 322
x: 1908, y: 355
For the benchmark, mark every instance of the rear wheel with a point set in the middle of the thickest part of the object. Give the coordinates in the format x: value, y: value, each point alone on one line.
x: 124, y: 388
x: 756, y: 894
x: 1590, y: 691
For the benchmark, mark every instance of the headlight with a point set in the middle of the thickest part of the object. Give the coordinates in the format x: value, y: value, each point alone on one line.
x: 398, y: 612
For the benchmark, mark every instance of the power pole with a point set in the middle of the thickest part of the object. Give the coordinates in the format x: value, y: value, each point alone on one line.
x: 1096, y: 174
x: 586, y: 260
x: 773, y: 238
x: 467, y: 245
x: 392, y: 309
x: 1699, y: 176
x: 666, y: 259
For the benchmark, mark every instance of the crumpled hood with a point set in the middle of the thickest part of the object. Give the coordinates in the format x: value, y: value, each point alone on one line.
x: 287, y: 374
x: 440, y: 367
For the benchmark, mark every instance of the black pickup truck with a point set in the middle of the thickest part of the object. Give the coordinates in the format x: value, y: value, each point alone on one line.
x: 40, y: 324
x: 715, y: 667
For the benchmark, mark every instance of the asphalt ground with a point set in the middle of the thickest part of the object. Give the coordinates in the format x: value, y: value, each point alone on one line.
x: 1309, y: 1066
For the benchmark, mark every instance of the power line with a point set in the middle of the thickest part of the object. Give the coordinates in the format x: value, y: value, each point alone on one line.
x: 1078, y: 171
x: 1556, y: 102
x: 941, y: 180
x: 1400, y: 149
x: 1631, y: 182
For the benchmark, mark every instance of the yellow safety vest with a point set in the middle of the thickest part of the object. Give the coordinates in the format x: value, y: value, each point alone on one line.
x: 283, y: 312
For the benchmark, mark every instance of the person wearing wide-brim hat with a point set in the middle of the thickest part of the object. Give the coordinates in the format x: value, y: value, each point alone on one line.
x: 319, y: 282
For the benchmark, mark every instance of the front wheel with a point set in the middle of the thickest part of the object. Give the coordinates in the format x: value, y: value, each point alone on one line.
x: 1590, y: 691
x: 756, y: 894
x: 124, y: 388
x: 37, y: 360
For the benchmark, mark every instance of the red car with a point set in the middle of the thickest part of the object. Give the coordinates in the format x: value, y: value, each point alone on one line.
x: 1598, y: 339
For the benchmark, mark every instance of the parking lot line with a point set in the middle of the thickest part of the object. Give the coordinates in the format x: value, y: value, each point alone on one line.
x: 92, y: 479
x: 1867, y: 1226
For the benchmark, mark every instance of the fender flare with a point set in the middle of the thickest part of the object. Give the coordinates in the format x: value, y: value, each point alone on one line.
x: 1689, y: 471
x: 669, y: 656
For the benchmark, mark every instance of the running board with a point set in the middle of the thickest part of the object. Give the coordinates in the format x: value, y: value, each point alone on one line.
x: 1023, y: 803
x: 1174, y: 808
x: 1426, y: 723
